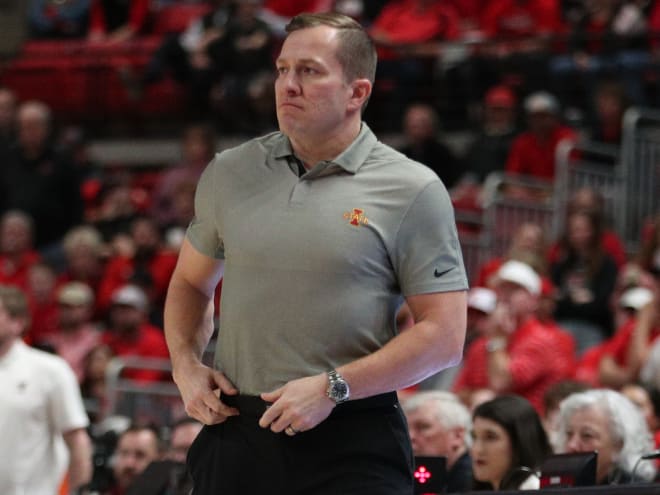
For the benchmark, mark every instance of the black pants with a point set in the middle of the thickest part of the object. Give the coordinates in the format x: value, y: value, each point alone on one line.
x: 362, y: 448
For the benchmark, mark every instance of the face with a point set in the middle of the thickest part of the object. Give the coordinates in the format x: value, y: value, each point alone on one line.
x: 33, y: 129
x: 311, y: 95
x: 125, y: 318
x: 418, y: 124
x: 491, y: 451
x: 580, y: 231
x: 182, y: 439
x: 588, y: 429
x: 135, y: 450
x: 72, y: 315
x: 428, y: 435
x: 517, y: 299
x: 15, y: 235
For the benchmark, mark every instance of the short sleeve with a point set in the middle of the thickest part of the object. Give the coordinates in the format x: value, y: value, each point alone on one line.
x: 66, y: 405
x: 427, y: 254
x: 203, y: 231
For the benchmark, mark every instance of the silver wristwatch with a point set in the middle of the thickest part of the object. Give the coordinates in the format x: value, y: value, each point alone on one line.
x: 338, y: 389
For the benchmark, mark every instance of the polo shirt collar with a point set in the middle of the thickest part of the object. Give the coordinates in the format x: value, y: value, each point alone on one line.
x: 350, y: 160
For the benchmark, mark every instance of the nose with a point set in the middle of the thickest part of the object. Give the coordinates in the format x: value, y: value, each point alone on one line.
x: 572, y: 444
x: 289, y: 83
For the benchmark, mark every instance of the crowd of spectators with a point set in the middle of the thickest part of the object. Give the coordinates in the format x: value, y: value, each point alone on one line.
x: 93, y: 250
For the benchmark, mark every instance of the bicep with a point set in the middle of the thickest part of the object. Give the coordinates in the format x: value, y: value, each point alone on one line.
x: 197, y: 269
x: 446, y: 310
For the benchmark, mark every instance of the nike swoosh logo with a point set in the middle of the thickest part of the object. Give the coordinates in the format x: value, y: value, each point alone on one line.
x: 440, y: 274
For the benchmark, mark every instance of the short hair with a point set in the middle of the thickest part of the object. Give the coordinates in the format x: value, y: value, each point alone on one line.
x: 14, y: 301
x: 529, y: 441
x: 85, y: 235
x: 36, y: 109
x: 449, y: 410
x: 626, y: 424
x: 356, y: 51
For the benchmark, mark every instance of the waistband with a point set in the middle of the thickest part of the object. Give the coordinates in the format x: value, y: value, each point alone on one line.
x: 253, y: 405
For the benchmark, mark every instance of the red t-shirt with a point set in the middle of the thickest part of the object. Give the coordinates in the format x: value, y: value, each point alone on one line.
x: 16, y: 272
x: 529, y: 156
x: 148, y: 342
x: 520, y: 19
x: 538, y: 359
x: 618, y: 345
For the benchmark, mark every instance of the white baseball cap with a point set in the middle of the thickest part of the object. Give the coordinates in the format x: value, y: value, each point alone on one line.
x: 635, y: 298
x: 521, y: 274
x: 482, y: 299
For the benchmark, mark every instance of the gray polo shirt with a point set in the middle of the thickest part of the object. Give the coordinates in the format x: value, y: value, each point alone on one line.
x: 315, y: 266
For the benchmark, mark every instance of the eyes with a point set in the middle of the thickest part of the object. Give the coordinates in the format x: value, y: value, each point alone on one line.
x: 303, y: 70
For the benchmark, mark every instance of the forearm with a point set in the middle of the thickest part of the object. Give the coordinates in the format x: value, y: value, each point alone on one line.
x: 188, y: 322
x: 421, y: 351
x: 499, y: 375
x: 80, y: 458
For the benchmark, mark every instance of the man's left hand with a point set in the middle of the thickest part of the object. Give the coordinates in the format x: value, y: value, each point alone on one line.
x: 298, y: 406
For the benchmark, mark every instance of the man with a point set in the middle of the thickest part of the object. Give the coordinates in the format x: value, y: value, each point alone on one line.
x: 319, y: 230
x: 420, y: 126
x: 517, y: 354
x: 40, y: 180
x: 42, y: 418
x: 440, y: 425
x: 136, y: 448
x: 130, y: 334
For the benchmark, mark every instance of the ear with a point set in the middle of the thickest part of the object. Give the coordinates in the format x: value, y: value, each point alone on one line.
x: 360, y: 92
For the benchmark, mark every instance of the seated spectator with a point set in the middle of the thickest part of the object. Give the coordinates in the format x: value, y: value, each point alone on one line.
x: 532, y: 153
x: 243, y: 95
x: 508, y: 444
x: 58, y: 20
x: 17, y: 253
x: 84, y: 253
x: 197, y: 150
x: 590, y: 199
x: 136, y: 447
x: 518, y: 354
x: 40, y: 180
x: 498, y: 127
x: 117, y: 21
x: 278, y: 13
x: 647, y: 399
x: 607, y: 422
x: 420, y: 128
x: 129, y: 333
x: 41, y: 294
x: 440, y: 425
x: 630, y: 348
x: 585, y: 278
x: 74, y: 335
x: 169, y: 475
x: 146, y: 263
x: 94, y: 385
x: 552, y: 398
x: 606, y: 123
x: 527, y: 245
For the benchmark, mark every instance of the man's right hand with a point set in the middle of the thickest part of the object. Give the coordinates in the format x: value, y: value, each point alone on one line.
x: 200, y: 388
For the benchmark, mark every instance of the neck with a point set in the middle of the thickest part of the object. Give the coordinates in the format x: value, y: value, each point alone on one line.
x: 6, y: 344
x: 313, y: 149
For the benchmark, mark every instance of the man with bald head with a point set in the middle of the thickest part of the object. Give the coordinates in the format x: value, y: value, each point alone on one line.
x: 39, y: 179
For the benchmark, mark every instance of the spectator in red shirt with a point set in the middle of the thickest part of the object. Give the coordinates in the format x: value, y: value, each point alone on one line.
x: 145, y: 263
x: 519, y: 354
x: 130, y: 334
x: 533, y: 151
x: 116, y: 21
x: 75, y: 335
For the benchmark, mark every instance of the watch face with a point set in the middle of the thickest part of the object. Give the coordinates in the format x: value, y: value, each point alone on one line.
x: 339, y: 390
